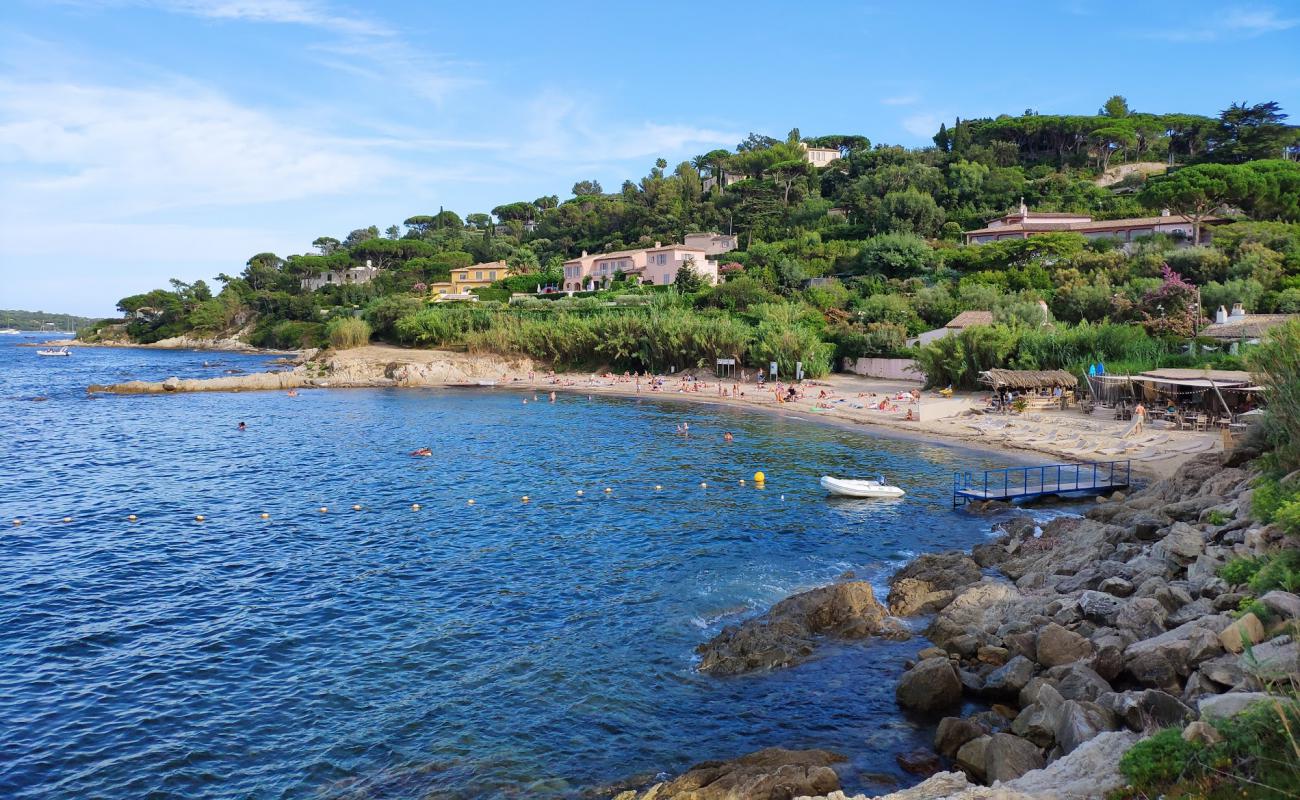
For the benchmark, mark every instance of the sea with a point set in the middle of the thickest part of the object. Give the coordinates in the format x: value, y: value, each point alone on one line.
x: 347, y: 621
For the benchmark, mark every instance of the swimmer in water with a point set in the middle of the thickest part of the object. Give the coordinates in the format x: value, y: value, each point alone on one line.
x: 423, y: 451
x: 243, y: 427
x: 552, y: 397
x: 727, y: 437
x: 293, y: 393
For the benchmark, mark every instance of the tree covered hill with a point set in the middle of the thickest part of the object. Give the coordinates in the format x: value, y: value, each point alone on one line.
x: 881, y: 226
x: 42, y: 321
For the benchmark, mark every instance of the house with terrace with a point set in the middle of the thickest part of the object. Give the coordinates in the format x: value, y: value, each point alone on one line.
x: 656, y: 266
x: 464, y: 281
x: 1023, y: 223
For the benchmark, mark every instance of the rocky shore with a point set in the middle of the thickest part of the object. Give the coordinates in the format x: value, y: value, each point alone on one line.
x: 1081, y: 636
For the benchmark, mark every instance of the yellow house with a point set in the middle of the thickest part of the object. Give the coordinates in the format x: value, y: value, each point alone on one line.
x: 465, y: 280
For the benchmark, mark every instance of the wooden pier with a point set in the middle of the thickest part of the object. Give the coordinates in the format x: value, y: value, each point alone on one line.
x: 1018, y: 483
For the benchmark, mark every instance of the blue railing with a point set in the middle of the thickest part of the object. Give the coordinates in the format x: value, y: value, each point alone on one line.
x: 1015, y: 482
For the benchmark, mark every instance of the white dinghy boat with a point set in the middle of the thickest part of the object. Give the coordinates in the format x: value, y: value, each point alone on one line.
x: 849, y: 487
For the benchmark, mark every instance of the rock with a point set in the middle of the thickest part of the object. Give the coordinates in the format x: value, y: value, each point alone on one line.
x: 1100, y: 607
x: 1282, y: 604
x: 785, y: 634
x: 1108, y: 656
x: 1115, y: 586
x: 1182, y: 543
x: 1199, y: 732
x: 1143, y: 617
x: 1040, y: 690
x: 973, y: 606
x: 1224, y: 706
x: 1057, y: 645
x: 1247, y: 630
x: 1008, y: 757
x: 1091, y: 771
x: 1198, y: 686
x: 1230, y: 601
x: 971, y: 757
x: 1191, y: 612
x: 1078, y: 682
x: 1223, y: 670
x: 1277, y: 660
x: 931, y: 652
x: 1213, y: 587
x: 953, y: 732
x: 770, y: 774
x: 1010, y: 678
x: 1147, y: 529
x: 995, y: 656
x: 1147, y: 710
x: 1021, y: 644
x: 919, y: 762
x: 1158, y: 662
x: 171, y: 384
x: 1037, y: 723
x: 1172, y: 597
x: 929, y: 582
x: 1078, y: 721
x: 931, y: 685
x: 965, y: 646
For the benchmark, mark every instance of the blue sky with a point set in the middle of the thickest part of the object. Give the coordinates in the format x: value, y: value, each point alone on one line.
x: 147, y: 139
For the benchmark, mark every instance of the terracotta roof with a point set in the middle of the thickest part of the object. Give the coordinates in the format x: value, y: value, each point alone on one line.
x: 968, y: 319
x: 1252, y: 326
x: 1096, y: 225
x: 1041, y: 215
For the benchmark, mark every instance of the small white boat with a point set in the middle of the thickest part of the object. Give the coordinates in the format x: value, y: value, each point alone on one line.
x: 848, y: 487
x: 61, y: 351
x: 10, y: 332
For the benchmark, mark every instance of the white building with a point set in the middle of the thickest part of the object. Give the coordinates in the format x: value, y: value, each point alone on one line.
x: 337, y: 277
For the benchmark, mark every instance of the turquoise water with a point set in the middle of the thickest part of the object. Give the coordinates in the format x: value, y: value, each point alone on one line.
x: 496, y: 650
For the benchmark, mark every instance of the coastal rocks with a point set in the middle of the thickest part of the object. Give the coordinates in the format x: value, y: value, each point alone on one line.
x: 785, y: 635
x: 1078, y: 682
x: 1077, y: 721
x: 919, y: 762
x: 1161, y: 661
x: 1058, y: 645
x: 931, y: 685
x: 1282, y: 604
x: 1090, y: 771
x: 973, y: 606
x: 1147, y: 710
x: 953, y: 732
x: 929, y: 583
x: 1142, y: 617
x: 973, y: 755
x: 770, y: 774
x: 1008, y: 679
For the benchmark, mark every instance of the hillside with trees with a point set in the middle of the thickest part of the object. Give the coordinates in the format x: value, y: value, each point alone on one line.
x: 846, y: 260
x: 42, y: 321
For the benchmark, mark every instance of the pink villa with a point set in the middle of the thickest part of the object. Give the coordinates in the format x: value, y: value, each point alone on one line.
x: 1025, y: 223
x: 656, y: 265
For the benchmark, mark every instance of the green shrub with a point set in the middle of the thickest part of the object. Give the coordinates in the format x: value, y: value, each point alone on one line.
x: 347, y: 332
x: 1160, y: 759
x: 1251, y: 605
x: 1287, y: 516
x: 1240, y: 570
x: 1279, y: 571
x: 1266, y: 499
x: 289, y: 334
x: 1217, y: 517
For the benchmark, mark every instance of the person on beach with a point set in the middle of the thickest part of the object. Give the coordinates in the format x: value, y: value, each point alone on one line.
x: 1139, y: 417
x: 242, y: 427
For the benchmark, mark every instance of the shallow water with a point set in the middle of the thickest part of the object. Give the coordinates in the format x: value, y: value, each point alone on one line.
x: 496, y: 650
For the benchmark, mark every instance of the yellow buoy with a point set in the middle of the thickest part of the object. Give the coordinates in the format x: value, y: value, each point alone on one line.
x: 759, y: 477
x: 67, y: 519
x: 323, y: 509
x: 198, y: 517
x: 415, y: 506
x: 131, y: 517
x: 356, y: 508
x: 524, y: 498
x: 265, y: 515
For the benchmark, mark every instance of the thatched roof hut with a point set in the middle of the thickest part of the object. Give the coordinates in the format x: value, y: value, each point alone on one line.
x: 1027, y: 379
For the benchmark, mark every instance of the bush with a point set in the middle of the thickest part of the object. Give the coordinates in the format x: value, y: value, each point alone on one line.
x: 1162, y: 758
x: 347, y: 332
x: 289, y: 335
x: 1239, y: 571
x: 1217, y: 517
x: 1276, y: 363
x: 1278, y: 571
x: 1288, y: 516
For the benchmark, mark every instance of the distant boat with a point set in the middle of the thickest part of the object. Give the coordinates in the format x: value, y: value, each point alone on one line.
x: 848, y: 487
x: 61, y: 351
x: 10, y: 332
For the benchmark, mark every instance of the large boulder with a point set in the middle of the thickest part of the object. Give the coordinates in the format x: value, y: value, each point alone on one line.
x: 787, y: 633
x: 770, y: 774
x: 1079, y: 682
x: 1007, y: 680
x: 972, y: 757
x: 975, y: 606
x: 1008, y: 757
x: 930, y: 582
x: 1078, y: 721
x: 931, y: 685
x: 1099, y: 607
x: 1284, y: 605
x: 1090, y: 771
x: 1147, y: 710
x: 1160, y: 662
x: 1142, y: 617
x: 1223, y: 706
x: 1245, y: 631
x: 1058, y: 645
x: 1037, y: 722
x: 953, y: 732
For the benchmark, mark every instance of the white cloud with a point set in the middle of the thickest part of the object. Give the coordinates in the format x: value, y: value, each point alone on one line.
x: 1241, y: 23
x: 132, y: 151
x: 901, y: 100
x: 924, y: 125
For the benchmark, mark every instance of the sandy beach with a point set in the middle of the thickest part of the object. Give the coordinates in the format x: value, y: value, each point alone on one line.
x: 899, y: 407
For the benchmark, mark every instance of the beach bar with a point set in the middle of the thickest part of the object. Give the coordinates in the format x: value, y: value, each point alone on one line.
x: 1040, y: 390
